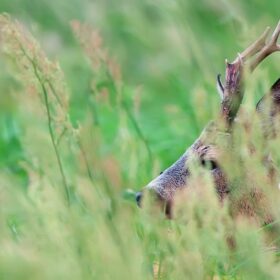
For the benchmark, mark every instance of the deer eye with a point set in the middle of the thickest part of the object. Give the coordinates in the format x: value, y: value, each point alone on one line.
x: 210, y: 164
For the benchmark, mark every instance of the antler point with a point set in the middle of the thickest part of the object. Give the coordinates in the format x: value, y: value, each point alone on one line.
x: 240, y: 57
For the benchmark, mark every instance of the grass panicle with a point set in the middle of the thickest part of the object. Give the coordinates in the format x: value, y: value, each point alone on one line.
x: 77, y: 140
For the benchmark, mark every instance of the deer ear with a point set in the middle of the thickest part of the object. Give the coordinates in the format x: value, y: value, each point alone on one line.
x: 274, y: 95
x: 275, y: 92
x: 220, y: 87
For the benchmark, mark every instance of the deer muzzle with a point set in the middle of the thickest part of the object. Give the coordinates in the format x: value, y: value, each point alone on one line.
x: 164, y: 186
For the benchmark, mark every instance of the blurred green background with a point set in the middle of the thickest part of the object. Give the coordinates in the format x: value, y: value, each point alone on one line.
x: 169, y: 53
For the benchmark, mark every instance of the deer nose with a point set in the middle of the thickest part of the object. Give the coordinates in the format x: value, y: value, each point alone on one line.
x: 138, y: 198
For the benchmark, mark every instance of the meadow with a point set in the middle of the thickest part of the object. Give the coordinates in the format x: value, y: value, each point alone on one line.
x: 98, y: 97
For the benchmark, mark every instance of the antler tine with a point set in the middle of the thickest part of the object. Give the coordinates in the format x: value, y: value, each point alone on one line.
x: 276, y: 33
x: 253, y: 48
x: 267, y: 49
x: 233, y: 91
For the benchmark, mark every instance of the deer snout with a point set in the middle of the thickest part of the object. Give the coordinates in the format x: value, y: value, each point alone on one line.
x: 138, y: 198
x: 162, y: 189
x: 164, y: 205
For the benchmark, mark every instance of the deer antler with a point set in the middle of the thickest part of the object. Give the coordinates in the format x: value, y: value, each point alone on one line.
x: 268, y: 49
x: 254, y: 48
x: 232, y: 92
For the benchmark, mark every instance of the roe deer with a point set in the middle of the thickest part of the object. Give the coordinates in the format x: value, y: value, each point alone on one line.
x: 206, y: 150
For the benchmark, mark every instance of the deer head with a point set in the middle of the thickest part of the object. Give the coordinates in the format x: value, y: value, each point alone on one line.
x: 206, y: 150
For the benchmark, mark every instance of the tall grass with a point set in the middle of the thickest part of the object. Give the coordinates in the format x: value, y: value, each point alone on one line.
x: 71, y: 163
